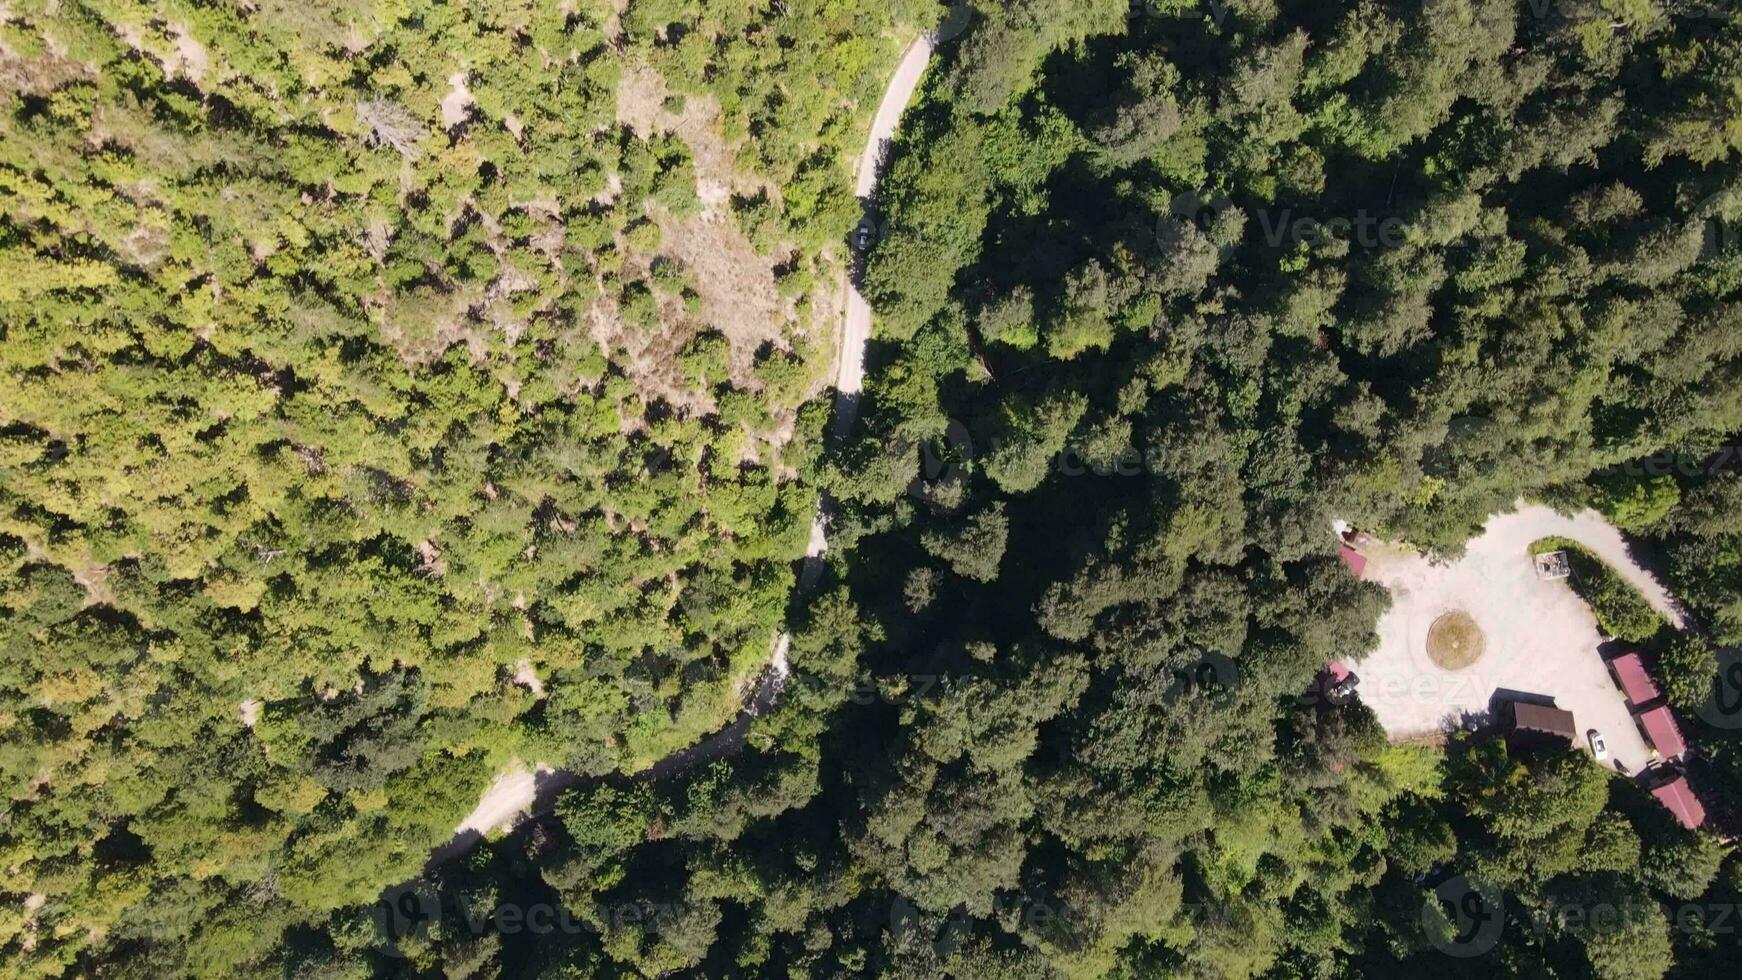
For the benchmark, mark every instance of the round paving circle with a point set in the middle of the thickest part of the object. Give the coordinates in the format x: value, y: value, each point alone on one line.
x: 1454, y: 641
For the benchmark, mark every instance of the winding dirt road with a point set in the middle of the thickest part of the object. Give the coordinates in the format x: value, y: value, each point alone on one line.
x: 856, y: 321
x: 519, y: 794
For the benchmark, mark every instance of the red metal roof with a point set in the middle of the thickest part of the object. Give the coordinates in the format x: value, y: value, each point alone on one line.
x: 1665, y: 735
x: 1680, y: 799
x: 1354, y: 559
x: 1635, y: 682
x: 1337, y: 671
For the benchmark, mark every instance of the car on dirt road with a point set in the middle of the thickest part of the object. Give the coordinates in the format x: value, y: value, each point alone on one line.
x: 1599, y: 748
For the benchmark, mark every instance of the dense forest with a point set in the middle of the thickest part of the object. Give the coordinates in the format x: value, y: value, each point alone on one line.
x: 396, y: 390
x: 391, y: 390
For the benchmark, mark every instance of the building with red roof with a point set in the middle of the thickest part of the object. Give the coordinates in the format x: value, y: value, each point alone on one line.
x: 1335, y: 683
x: 1662, y: 732
x: 1679, y: 799
x: 1635, y: 682
x: 1356, y: 561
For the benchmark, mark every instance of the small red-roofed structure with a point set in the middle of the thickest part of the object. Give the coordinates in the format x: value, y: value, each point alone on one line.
x: 1636, y: 684
x: 1679, y: 799
x: 1662, y: 732
x: 1335, y: 683
x: 1356, y: 561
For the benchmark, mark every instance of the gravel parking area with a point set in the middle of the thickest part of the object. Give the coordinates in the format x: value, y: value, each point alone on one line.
x: 1540, y: 638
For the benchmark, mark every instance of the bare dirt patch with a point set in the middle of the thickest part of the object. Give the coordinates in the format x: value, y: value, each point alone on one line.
x: 40, y: 74
x: 735, y: 284
x: 183, y: 55
x: 457, y: 101
x: 1454, y: 641
x: 190, y: 53
x: 649, y: 359
x: 642, y: 105
x: 527, y: 677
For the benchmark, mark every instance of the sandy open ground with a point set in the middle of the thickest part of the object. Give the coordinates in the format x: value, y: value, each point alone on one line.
x: 1541, y: 638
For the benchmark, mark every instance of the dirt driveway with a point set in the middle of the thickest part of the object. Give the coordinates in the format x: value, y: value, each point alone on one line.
x: 1542, y: 639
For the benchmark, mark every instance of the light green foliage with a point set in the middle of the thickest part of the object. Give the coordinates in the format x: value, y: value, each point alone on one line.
x: 1003, y: 51
x: 975, y: 549
x: 1032, y: 436
x: 940, y: 194
x: 352, y: 371
x: 643, y: 236
x: 638, y: 306
x: 747, y: 59
x: 1010, y: 320
x: 1635, y: 504
x: 705, y: 360
x: 1704, y: 540
x: 304, y: 423
x: 1686, y: 669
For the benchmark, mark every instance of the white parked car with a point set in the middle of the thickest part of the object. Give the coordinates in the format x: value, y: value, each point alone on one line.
x: 1599, y: 748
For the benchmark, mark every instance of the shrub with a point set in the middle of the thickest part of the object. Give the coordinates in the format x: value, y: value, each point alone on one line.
x: 1621, y: 611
